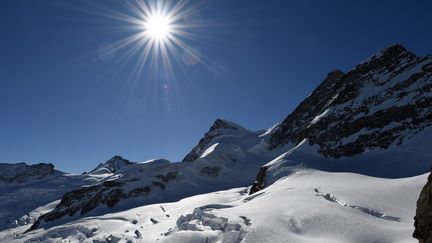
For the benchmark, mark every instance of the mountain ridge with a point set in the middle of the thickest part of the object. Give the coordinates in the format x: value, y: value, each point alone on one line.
x: 22, y: 172
x: 347, y: 105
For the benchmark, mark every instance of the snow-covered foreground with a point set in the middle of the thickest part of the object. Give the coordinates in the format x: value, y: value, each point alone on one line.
x: 306, y: 206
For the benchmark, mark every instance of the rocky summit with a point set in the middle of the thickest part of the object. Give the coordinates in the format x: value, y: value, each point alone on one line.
x: 386, y: 99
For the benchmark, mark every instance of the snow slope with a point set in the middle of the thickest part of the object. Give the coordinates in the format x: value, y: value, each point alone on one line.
x: 306, y: 206
x: 406, y: 160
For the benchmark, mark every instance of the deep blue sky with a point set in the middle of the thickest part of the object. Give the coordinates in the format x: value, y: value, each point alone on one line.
x: 61, y: 102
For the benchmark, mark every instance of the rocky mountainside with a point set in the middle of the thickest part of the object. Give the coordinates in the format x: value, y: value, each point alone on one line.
x: 423, y: 218
x: 21, y: 172
x: 385, y: 100
x: 375, y: 119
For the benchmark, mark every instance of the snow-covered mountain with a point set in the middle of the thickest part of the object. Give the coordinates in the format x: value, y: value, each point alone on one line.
x: 23, y: 188
x: 373, y: 122
x: 382, y: 101
x: 28, y: 191
x: 21, y: 172
x: 227, y: 156
x: 111, y: 166
x: 221, y: 129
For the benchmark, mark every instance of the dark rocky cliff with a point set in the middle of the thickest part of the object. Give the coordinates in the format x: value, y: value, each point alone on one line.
x: 423, y: 218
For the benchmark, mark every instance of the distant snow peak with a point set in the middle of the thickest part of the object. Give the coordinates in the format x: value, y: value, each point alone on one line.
x: 221, y: 123
x: 220, y: 127
x: 111, y: 166
x: 21, y: 172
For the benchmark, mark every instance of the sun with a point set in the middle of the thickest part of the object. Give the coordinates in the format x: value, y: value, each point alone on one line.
x: 160, y: 36
x: 158, y: 27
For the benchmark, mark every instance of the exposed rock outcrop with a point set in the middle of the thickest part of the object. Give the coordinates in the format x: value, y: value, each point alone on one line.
x: 87, y: 198
x: 423, y: 218
x: 259, y: 182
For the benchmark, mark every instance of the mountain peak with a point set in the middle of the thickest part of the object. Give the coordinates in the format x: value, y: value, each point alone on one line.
x: 389, y: 55
x: 394, y: 49
x: 111, y: 166
x: 335, y: 74
x: 116, y: 157
x: 221, y: 123
x: 219, y: 128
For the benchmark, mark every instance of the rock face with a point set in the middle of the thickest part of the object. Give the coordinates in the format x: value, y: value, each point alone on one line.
x: 21, y: 172
x: 259, y: 183
x: 87, y: 198
x: 293, y: 127
x: 423, y: 218
x: 382, y: 101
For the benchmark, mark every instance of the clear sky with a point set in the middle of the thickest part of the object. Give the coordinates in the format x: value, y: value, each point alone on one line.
x: 65, y: 100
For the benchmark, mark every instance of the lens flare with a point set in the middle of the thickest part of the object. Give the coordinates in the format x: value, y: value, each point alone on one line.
x: 160, y: 37
x: 159, y: 32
